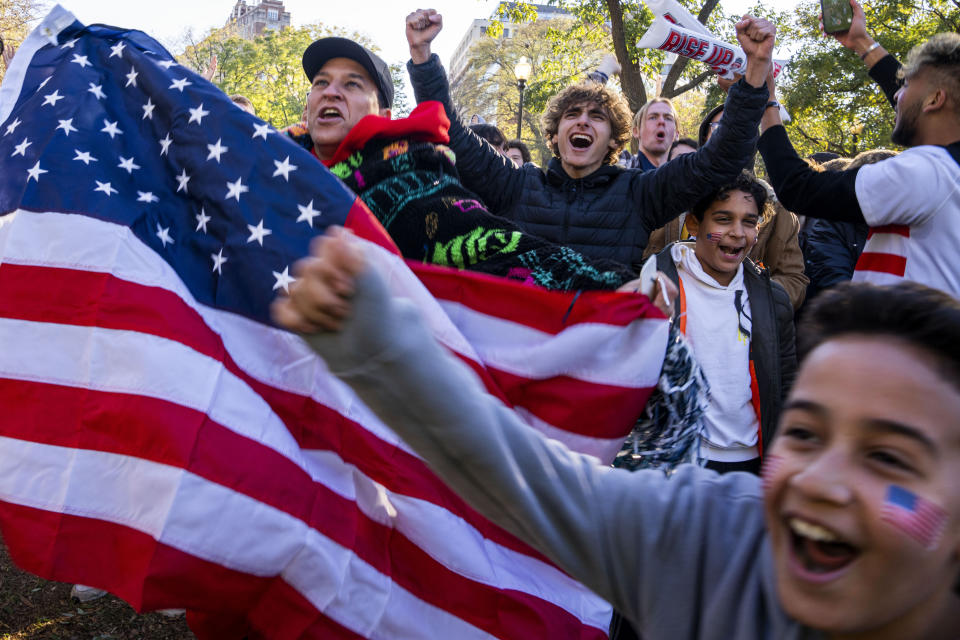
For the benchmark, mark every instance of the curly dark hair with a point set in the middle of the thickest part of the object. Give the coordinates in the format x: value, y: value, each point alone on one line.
x: 745, y: 182
x: 590, y: 93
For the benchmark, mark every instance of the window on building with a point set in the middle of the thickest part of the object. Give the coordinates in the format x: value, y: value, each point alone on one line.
x: 272, y: 14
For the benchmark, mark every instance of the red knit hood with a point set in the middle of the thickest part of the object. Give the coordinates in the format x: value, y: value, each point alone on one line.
x: 426, y: 123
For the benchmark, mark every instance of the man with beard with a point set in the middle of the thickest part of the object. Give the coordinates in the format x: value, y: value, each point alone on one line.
x: 583, y: 200
x: 912, y: 201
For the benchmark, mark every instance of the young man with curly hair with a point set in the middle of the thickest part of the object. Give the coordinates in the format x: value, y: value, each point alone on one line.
x: 583, y: 199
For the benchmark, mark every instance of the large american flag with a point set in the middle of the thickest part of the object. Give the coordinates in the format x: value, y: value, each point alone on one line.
x: 159, y: 438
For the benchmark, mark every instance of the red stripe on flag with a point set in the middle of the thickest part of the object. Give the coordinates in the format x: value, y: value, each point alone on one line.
x: 896, y: 229
x: 594, y: 410
x: 882, y: 262
x: 126, y: 561
x: 547, y: 311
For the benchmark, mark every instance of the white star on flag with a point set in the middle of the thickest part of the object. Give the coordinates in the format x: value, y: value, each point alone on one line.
x: 216, y: 150
x: 44, y: 83
x: 13, y: 126
x: 258, y: 233
x: 105, y: 187
x: 148, y: 109
x: 166, y: 64
x: 111, y: 128
x: 284, y: 168
x: 307, y: 213
x: 97, y: 90
x: 261, y: 130
x: 146, y: 196
x: 180, y: 84
x: 218, y: 260
x: 84, y: 157
x: 131, y: 77
x: 164, y: 235
x: 21, y: 149
x: 202, y: 220
x: 182, y: 181
x: 35, y: 171
x: 52, y: 98
x: 196, y: 115
x: 117, y: 49
x: 67, y: 126
x: 165, y: 143
x: 284, y: 280
x: 81, y: 60
x: 69, y: 44
x: 128, y: 164
x: 234, y: 189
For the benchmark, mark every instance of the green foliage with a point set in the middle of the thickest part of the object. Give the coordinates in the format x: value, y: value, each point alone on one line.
x: 16, y: 20
x: 834, y: 104
x: 617, y: 25
x: 268, y: 69
x: 488, y: 86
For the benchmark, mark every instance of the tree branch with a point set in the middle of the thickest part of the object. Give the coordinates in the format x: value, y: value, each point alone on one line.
x: 631, y: 80
x: 696, y: 82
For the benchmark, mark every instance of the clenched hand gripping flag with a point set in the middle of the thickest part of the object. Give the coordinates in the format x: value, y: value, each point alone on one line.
x: 160, y: 439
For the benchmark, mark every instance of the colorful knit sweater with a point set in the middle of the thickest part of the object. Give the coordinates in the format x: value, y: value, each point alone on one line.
x: 407, y: 177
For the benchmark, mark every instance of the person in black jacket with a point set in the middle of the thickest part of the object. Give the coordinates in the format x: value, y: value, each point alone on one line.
x: 583, y: 200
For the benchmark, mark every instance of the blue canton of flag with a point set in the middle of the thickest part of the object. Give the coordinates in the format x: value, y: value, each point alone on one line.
x: 118, y: 130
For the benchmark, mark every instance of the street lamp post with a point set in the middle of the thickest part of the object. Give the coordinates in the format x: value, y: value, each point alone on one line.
x: 522, y: 72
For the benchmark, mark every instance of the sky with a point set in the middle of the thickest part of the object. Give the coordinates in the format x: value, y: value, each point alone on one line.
x: 381, y: 20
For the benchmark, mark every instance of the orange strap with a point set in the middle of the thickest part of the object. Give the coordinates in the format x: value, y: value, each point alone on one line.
x: 683, y: 306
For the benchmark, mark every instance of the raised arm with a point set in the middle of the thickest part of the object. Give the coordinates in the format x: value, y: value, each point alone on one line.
x: 482, y: 169
x: 881, y: 66
x: 677, y: 185
x: 830, y: 194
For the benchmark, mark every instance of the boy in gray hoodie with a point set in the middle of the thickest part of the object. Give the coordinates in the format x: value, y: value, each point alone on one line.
x: 854, y: 531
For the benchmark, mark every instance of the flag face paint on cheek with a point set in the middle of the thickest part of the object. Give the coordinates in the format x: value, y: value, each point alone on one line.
x: 714, y: 237
x: 771, y: 464
x: 918, y: 518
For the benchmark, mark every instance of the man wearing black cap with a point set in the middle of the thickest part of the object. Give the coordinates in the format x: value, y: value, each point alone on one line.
x: 349, y: 82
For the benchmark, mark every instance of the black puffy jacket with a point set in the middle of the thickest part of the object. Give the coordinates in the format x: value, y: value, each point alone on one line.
x: 611, y: 212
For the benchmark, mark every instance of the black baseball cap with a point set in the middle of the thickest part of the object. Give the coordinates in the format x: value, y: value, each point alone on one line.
x: 324, y: 49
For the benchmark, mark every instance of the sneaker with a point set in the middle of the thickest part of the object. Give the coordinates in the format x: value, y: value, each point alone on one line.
x: 83, y: 593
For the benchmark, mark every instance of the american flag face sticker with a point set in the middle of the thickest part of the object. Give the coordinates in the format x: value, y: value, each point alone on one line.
x: 917, y: 517
x: 714, y: 237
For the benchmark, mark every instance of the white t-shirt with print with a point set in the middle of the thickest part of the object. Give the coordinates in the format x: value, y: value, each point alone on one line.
x: 912, y: 204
